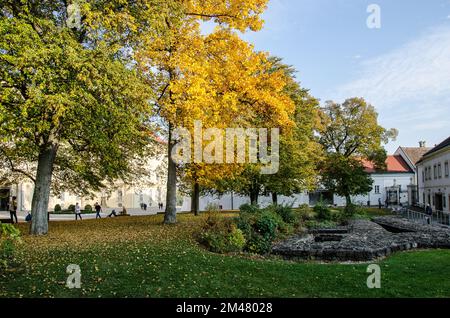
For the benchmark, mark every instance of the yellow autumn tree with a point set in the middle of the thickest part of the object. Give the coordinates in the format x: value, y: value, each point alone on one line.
x: 215, y: 78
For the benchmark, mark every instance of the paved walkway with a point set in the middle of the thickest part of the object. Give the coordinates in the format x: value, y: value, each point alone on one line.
x: 70, y: 217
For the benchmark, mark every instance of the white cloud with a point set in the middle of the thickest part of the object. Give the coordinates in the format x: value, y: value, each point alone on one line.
x: 418, y: 70
x: 409, y: 86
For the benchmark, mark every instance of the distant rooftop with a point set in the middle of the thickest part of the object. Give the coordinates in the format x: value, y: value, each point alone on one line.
x: 415, y: 153
x: 394, y: 164
x: 442, y: 145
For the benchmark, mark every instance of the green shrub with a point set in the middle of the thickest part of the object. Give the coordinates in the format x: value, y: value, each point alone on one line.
x: 286, y: 213
x: 349, y: 212
x: 323, y: 213
x: 88, y: 208
x: 9, y: 238
x: 71, y: 208
x: 57, y: 208
x: 260, y: 228
x: 236, y: 239
x: 305, y: 212
x: 254, y: 230
x: 314, y: 224
x: 221, y: 235
x: 212, y: 207
x: 259, y: 244
x: 249, y: 208
x: 267, y: 224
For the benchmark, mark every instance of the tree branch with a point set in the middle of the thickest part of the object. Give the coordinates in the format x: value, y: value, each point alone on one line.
x: 218, y: 15
x: 14, y: 169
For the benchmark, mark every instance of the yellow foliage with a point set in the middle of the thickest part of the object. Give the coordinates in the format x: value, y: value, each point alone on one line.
x: 218, y: 78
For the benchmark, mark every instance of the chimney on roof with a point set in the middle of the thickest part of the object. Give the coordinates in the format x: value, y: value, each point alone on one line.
x: 422, y: 144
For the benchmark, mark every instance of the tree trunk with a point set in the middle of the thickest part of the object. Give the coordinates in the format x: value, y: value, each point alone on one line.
x: 170, y: 216
x: 274, y: 198
x: 39, y: 205
x: 254, y: 197
x: 348, y: 200
x: 195, y: 199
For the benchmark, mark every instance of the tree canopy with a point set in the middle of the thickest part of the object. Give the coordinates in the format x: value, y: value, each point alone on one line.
x: 350, y: 133
x: 216, y: 78
x: 73, y: 104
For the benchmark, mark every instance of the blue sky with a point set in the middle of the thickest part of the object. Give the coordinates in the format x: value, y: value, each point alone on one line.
x: 403, y: 68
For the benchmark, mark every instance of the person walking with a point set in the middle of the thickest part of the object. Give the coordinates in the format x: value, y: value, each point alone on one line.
x: 78, y: 212
x: 429, y: 210
x: 98, y: 209
x: 13, y: 210
x: 379, y: 203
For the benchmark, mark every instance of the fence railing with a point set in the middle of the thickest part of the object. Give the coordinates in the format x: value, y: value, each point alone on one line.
x: 438, y: 217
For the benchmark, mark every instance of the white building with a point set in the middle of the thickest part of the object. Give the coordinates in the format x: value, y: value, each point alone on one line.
x: 434, y: 177
x: 389, y: 185
x: 412, y: 156
x: 396, y: 184
x: 150, y: 190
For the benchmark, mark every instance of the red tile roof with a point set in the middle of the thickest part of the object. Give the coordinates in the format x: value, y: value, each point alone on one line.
x: 394, y: 164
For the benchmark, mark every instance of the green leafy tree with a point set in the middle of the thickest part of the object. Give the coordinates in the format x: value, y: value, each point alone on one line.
x: 299, y: 150
x: 350, y: 134
x: 73, y: 104
x: 345, y: 177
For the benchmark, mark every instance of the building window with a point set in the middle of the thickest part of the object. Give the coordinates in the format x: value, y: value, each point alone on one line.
x: 423, y: 176
x: 446, y: 169
x: 377, y: 189
x: 439, y: 171
x: 435, y: 172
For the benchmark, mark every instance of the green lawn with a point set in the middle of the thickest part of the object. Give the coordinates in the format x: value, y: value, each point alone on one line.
x: 139, y: 257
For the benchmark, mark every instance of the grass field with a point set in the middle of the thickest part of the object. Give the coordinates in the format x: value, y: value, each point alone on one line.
x: 139, y: 257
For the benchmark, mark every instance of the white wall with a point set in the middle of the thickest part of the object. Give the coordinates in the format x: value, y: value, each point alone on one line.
x: 429, y: 187
x: 230, y: 201
x: 151, y: 189
x: 382, y: 180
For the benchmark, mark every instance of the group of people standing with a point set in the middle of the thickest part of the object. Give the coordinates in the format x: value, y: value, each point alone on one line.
x: 144, y: 206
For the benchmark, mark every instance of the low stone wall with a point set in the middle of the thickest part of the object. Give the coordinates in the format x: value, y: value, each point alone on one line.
x: 425, y: 235
x: 364, y: 241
